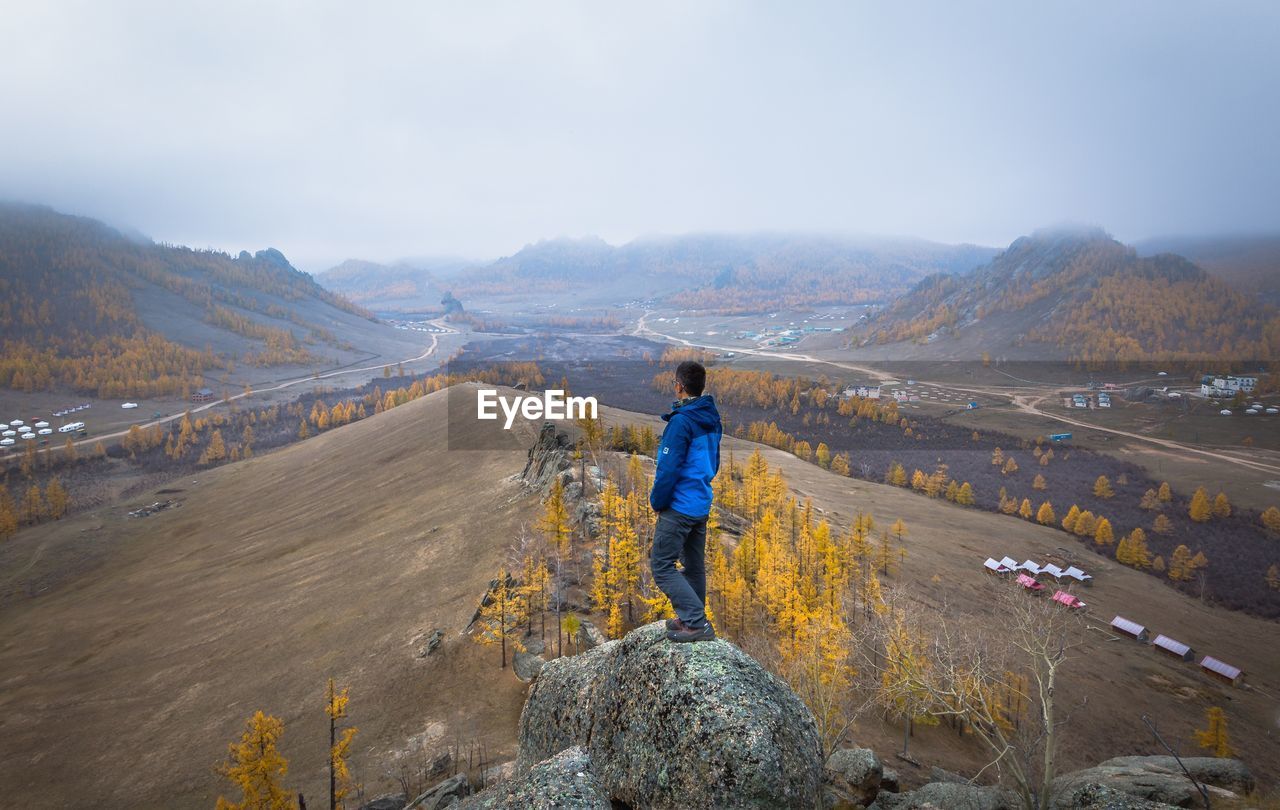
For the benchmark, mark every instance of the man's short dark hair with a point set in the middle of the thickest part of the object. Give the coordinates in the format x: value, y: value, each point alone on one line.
x: 692, y: 377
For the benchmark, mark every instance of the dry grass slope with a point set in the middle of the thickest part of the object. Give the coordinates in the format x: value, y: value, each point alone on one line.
x: 327, y: 558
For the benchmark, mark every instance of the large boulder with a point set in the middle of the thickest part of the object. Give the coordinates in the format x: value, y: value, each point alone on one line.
x: 526, y: 665
x: 566, y: 781
x: 1158, y: 779
x: 948, y: 796
x: 676, y: 725
x: 853, y: 777
x: 1228, y: 774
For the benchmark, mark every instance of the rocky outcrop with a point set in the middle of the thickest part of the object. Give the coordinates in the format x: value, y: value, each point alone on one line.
x: 889, y: 781
x: 1099, y: 797
x: 566, y: 781
x: 1228, y: 774
x: 947, y: 796
x: 852, y: 777
x: 445, y: 794
x: 676, y: 725
x: 1158, y: 779
x: 589, y: 636
x: 527, y: 665
x: 550, y: 458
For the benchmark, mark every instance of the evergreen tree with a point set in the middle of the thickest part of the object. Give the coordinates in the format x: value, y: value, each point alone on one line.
x: 1221, y: 506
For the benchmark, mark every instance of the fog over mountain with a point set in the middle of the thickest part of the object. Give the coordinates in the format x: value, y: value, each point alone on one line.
x: 414, y: 129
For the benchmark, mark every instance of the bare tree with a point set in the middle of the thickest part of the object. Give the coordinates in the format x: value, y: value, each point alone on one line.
x: 1000, y: 680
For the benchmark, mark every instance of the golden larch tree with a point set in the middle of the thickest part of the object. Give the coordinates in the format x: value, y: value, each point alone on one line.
x: 1102, y: 488
x: 335, y: 706
x: 256, y: 767
x: 1200, y: 510
x: 1069, y: 522
x: 56, y: 498
x: 1045, y: 515
x: 1103, y: 534
x: 1271, y: 520
x: 1213, y: 737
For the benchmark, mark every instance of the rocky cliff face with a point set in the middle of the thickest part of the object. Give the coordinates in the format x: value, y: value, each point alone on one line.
x: 676, y: 726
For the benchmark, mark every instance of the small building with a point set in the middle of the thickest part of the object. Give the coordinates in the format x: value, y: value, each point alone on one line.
x: 1227, y: 386
x: 1077, y: 575
x: 1010, y: 563
x: 1052, y: 570
x: 993, y: 567
x: 1029, y: 567
x: 1175, y: 648
x: 1030, y: 583
x: 1064, y: 598
x: 203, y: 395
x: 972, y: 406
x: 1131, y: 629
x: 1221, y: 669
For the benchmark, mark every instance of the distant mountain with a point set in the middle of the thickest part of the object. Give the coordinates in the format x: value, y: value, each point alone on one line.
x: 88, y: 308
x: 412, y: 284
x: 1079, y: 294
x: 727, y: 273
x: 1251, y: 263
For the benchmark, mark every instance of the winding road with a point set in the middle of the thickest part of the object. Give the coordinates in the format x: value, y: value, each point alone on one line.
x: 1025, y: 400
x: 435, y: 343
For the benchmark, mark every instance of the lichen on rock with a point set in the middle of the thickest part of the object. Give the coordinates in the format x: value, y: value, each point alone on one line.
x: 676, y: 725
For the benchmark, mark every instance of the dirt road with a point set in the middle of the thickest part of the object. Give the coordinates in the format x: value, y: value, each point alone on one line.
x: 1025, y: 400
x: 435, y: 343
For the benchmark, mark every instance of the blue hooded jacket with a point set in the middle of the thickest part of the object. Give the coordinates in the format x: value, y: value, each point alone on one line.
x: 688, y: 458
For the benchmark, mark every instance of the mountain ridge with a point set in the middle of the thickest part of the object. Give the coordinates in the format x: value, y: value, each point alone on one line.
x: 1082, y: 295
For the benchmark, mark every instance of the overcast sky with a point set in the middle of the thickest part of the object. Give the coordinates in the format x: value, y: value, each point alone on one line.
x: 380, y: 130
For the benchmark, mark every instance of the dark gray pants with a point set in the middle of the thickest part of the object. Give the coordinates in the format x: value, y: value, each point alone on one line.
x: 680, y: 537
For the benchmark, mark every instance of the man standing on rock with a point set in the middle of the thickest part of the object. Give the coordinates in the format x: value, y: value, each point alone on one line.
x: 688, y: 459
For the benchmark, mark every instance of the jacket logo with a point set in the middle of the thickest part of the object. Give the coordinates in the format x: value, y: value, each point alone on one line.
x: 664, y: 450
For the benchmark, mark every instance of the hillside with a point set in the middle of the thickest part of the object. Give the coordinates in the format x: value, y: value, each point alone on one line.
x: 1080, y: 295
x: 1250, y: 263
x: 86, y: 308
x: 726, y: 273
x: 336, y: 556
x: 942, y: 570
x: 410, y: 286
x: 332, y: 557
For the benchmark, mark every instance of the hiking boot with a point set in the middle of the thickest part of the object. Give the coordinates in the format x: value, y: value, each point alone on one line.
x: 674, y: 624
x: 683, y: 636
